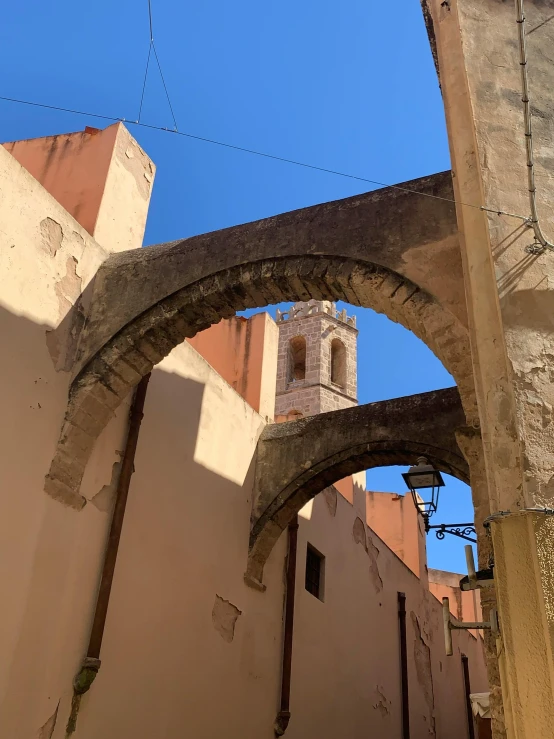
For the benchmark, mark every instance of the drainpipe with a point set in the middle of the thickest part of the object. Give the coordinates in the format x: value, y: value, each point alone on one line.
x: 467, y: 688
x: 91, y: 664
x: 404, y: 666
x: 283, y: 717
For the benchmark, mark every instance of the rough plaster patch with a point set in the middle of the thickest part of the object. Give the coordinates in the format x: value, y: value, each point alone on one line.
x: 382, y: 703
x: 69, y: 286
x: 135, y: 161
x: 360, y: 537
x: 51, y: 236
x: 224, y: 618
x: 358, y: 532
x: 62, y: 341
x: 374, y: 574
x: 104, y: 498
x: 330, y: 497
x: 422, y: 659
x: 46, y: 731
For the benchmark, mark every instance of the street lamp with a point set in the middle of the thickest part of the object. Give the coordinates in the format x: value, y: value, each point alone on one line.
x: 424, y: 477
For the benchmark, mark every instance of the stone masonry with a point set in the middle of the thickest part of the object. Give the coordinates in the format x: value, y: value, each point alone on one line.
x: 319, y: 323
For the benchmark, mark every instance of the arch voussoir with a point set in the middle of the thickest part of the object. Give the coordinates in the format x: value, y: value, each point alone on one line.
x: 341, y: 443
x: 118, y: 366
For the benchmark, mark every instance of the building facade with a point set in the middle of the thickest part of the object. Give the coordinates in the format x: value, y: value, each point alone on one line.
x: 188, y: 647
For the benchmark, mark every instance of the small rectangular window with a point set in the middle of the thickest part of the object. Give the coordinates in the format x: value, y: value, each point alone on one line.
x: 315, y: 567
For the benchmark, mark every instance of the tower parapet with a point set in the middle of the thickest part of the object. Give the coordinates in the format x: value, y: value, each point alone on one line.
x: 303, y: 310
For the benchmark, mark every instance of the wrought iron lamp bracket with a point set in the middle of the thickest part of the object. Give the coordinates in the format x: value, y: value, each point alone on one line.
x: 461, y: 530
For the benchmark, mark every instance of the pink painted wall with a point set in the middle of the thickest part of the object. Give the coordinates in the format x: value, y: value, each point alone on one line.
x: 73, y: 167
x: 395, y: 519
x: 345, y: 678
x: 100, y: 177
x: 244, y: 352
x: 464, y: 605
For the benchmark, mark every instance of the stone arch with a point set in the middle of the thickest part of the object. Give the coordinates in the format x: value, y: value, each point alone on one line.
x: 341, y: 443
x: 119, y: 365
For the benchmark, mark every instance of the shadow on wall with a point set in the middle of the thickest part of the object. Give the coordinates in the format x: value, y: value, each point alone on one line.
x: 178, y: 596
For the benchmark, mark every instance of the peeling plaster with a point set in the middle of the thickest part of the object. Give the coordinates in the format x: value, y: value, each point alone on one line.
x: 383, y: 704
x: 104, y: 498
x: 51, y: 236
x: 374, y: 574
x: 422, y: 659
x: 360, y: 537
x: 47, y: 730
x: 358, y: 532
x: 224, y: 618
x: 62, y: 341
x: 330, y: 496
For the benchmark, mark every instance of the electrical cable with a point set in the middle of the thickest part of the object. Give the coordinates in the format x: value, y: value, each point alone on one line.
x: 145, y: 77
x: 541, y: 244
x: 165, y: 86
x: 151, y: 46
x: 501, y: 515
x: 244, y: 149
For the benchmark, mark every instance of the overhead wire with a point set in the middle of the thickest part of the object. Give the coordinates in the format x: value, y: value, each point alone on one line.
x: 274, y: 157
x: 144, y: 83
x: 542, y: 243
x: 152, y: 47
x: 165, y: 86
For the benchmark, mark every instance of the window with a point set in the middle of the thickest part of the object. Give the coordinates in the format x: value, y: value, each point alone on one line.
x: 297, y: 359
x: 315, y: 567
x: 338, y: 363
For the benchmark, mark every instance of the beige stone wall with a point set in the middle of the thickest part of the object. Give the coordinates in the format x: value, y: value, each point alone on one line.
x: 509, y: 300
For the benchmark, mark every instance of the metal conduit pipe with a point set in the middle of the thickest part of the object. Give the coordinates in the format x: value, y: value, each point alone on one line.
x: 404, y: 666
x: 91, y: 663
x: 467, y: 691
x: 541, y: 242
x: 283, y: 717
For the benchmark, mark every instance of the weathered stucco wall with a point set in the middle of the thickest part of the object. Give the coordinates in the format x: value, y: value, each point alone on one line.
x: 244, y: 352
x: 188, y: 647
x: 395, y: 520
x: 510, y: 302
x: 49, y: 555
x: 101, y: 177
x: 465, y: 605
x: 346, y: 663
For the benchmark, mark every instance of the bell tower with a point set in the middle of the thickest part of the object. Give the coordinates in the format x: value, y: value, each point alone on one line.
x: 316, y: 365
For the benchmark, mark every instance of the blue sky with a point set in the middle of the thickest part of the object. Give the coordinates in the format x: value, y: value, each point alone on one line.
x: 348, y: 86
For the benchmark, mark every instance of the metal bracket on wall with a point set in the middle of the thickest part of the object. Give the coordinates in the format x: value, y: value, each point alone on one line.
x: 451, y: 623
x: 473, y: 582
